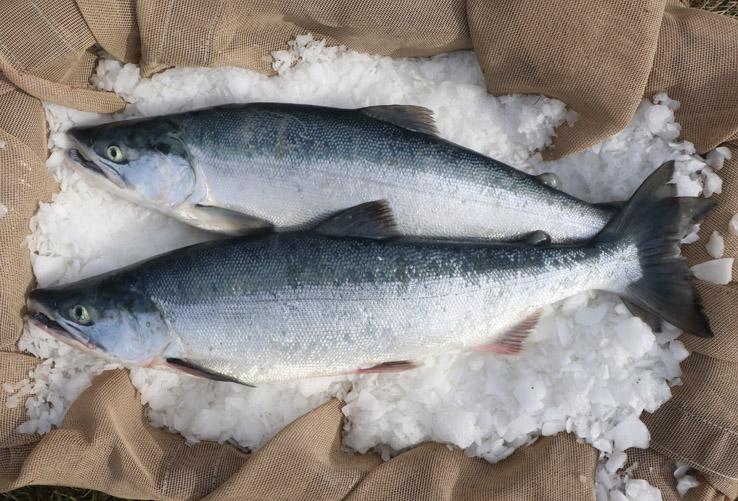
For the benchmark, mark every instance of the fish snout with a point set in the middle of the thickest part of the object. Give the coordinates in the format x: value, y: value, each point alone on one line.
x: 41, y: 301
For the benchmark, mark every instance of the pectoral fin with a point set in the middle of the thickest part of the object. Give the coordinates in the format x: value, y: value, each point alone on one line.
x: 511, y: 342
x: 613, y: 206
x: 219, y: 219
x: 394, y: 366
x: 193, y: 369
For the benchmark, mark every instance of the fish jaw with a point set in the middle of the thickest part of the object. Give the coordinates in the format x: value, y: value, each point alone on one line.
x: 82, y: 157
x: 57, y: 331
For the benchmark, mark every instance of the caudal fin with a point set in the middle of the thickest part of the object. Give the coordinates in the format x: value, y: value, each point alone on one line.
x: 656, y: 221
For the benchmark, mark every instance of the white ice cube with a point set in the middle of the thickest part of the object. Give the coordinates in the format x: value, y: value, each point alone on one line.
x: 616, y: 461
x: 657, y: 116
x: 685, y: 483
x: 733, y: 225
x: 641, y: 490
x: 717, y: 271
x: 713, y: 182
x: 630, y: 432
x: 716, y: 245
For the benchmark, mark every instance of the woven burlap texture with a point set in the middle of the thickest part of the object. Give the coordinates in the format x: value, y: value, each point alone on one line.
x: 600, y: 57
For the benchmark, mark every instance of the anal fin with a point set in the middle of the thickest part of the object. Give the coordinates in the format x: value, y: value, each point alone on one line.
x: 193, y: 369
x: 511, y: 342
x: 368, y: 220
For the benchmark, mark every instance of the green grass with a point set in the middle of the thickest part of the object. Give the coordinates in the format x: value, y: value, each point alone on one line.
x: 42, y: 493
x: 728, y: 7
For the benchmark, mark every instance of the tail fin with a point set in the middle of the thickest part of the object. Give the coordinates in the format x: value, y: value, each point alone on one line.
x: 656, y: 222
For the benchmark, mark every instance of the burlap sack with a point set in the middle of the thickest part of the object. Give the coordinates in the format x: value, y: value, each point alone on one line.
x: 600, y: 57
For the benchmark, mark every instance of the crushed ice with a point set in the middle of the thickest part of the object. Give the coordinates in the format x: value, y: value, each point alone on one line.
x: 590, y: 368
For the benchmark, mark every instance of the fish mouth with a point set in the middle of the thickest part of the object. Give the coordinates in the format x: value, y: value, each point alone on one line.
x: 78, y: 157
x: 58, y: 331
x: 47, y: 324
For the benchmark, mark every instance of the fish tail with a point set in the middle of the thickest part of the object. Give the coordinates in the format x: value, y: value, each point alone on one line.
x: 656, y: 221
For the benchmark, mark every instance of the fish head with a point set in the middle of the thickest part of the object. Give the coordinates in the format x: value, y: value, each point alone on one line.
x: 143, y: 161
x: 111, y: 319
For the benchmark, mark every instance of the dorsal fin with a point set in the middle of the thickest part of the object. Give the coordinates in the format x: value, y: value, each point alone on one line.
x: 368, y: 220
x: 415, y: 118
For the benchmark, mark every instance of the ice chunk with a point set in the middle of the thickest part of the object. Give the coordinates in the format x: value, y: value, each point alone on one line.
x: 681, y: 470
x: 716, y: 158
x: 591, y: 316
x: 684, y: 480
x: 693, y: 235
x: 716, y: 245
x: 678, y: 350
x: 641, y: 490
x: 663, y: 98
x: 685, y: 483
x: 634, y: 336
x: 630, y: 432
x: 550, y: 428
x: 733, y: 225
x: 717, y: 271
x: 657, y: 117
x: 616, y: 496
x: 713, y: 182
x: 686, y: 186
x: 616, y: 461
x: 530, y: 394
x: 603, y: 444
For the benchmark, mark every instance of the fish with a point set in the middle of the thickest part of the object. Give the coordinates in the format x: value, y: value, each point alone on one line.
x: 352, y: 296
x: 244, y: 168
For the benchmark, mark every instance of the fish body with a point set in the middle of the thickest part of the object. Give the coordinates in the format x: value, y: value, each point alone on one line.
x: 289, y: 305
x: 293, y: 305
x: 236, y: 168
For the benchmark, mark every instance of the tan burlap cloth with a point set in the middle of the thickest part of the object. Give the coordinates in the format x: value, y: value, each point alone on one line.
x: 600, y: 57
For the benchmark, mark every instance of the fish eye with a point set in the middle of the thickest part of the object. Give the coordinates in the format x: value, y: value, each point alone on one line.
x: 114, y: 153
x: 79, y: 314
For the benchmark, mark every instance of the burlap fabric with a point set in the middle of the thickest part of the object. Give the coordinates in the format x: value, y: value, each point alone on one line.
x: 600, y: 57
